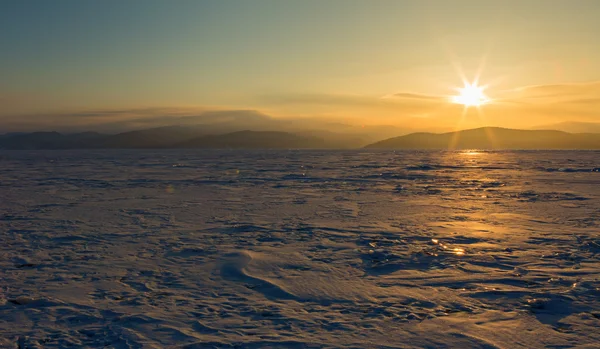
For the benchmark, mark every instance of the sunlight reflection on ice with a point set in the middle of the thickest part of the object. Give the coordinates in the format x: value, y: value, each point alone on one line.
x: 459, y: 251
x: 471, y: 153
x: 456, y: 250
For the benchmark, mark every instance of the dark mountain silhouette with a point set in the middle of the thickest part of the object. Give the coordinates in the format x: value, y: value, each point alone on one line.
x: 255, y: 140
x: 33, y: 140
x: 160, y: 137
x: 47, y: 140
x: 493, y: 138
x: 179, y: 123
x: 214, y: 124
x: 573, y: 127
x: 211, y: 136
x: 164, y: 128
x: 339, y: 140
x: 163, y: 137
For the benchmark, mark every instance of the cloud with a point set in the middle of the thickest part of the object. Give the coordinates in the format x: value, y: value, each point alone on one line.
x: 396, y: 105
x: 349, y: 99
x: 409, y: 95
x: 586, y: 101
x: 555, y: 92
x: 530, y: 106
x: 126, y: 119
x: 319, y: 99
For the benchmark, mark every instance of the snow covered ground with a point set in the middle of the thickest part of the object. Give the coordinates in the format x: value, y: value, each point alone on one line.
x: 299, y: 249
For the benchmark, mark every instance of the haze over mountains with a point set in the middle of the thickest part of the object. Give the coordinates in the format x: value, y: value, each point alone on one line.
x: 172, y: 130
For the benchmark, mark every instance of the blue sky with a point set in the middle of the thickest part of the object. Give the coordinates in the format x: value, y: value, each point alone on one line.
x: 271, y: 55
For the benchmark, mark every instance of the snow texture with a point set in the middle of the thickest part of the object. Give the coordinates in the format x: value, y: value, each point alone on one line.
x: 299, y: 249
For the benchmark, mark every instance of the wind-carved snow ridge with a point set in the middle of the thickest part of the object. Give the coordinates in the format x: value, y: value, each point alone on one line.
x: 299, y: 249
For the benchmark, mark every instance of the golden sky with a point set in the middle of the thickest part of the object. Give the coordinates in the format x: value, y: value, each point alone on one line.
x: 367, y: 62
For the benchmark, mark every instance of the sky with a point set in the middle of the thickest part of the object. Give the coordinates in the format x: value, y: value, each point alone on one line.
x: 396, y: 62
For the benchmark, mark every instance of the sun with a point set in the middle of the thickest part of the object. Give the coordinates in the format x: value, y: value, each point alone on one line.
x: 471, y: 96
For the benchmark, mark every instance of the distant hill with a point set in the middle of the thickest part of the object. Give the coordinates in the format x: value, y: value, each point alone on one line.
x: 205, y: 136
x: 254, y: 140
x: 48, y: 140
x: 492, y: 138
x: 572, y: 127
x: 165, y: 137
x: 166, y: 128
x: 340, y: 140
x: 160, y: 137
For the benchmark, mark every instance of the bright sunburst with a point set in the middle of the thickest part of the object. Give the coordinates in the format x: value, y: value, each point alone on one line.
x: 471, y: 96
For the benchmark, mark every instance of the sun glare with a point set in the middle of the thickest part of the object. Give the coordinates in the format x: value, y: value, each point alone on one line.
x: 471, y: 96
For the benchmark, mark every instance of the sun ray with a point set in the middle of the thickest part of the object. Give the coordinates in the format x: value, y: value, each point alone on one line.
x: 458, y: 68
x: 482, y: 64
x: 488, y: 131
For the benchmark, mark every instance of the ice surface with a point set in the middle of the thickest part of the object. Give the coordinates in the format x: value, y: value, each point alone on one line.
x: 299, y: 249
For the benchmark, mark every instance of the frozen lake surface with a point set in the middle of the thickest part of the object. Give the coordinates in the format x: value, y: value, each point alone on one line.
x: 299, y: 249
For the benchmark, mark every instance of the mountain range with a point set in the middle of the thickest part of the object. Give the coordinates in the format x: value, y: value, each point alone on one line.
x: 173, y: 137
x: 493, y: 138
x: 168, y: 128
x: 572, y: 127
